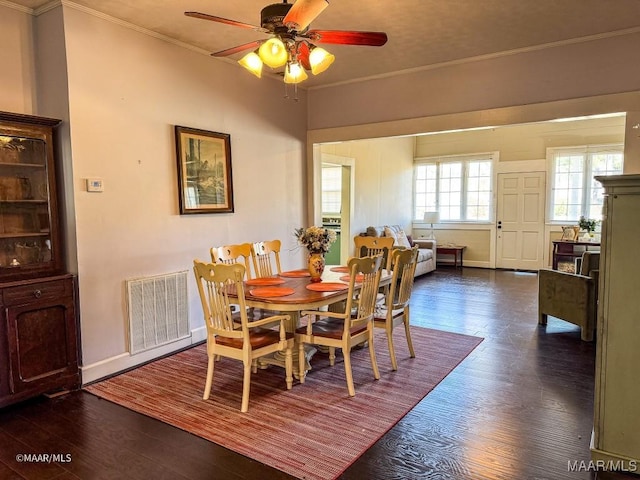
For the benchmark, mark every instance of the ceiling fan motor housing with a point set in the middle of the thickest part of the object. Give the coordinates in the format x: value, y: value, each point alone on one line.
x: 272, y: 15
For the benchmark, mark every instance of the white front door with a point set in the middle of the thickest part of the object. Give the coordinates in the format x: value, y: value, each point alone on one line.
x: 520, y: 220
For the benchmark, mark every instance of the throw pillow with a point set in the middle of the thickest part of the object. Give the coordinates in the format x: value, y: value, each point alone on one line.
x: 402, y: 240
x: 390, y: 233
x: 399, y: 237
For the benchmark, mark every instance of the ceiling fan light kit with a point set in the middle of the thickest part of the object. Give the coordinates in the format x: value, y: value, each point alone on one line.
x: 273, y: 53
x: 320, y: 60
x: 253, y: 63
x: 290, y: 43
x: 294, y: 73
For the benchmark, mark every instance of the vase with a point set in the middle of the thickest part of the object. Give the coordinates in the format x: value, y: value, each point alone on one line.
x: 316, y: 266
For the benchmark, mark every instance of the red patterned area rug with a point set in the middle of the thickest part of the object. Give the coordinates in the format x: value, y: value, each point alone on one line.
x: 315, y: 430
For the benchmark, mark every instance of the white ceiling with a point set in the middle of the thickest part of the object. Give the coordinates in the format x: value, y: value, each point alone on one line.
x: 422, y: 33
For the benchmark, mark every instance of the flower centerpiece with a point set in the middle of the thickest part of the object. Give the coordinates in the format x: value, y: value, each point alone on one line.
x: 317, y: 241
x: 588, y: 225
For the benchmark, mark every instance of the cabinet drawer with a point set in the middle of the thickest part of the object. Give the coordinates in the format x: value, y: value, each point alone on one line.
x: 36, y: 291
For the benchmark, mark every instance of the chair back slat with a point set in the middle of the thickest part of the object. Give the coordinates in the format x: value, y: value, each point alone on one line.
x: 404, y: 267
x: 229, y: 254
x: 266, y: 258
x: 369, y: 246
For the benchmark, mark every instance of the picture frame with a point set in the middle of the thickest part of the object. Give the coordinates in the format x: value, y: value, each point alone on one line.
x: 205, y: 181
x: 570, y: 234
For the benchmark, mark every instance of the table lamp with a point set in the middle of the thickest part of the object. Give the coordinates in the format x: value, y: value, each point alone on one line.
x: 431, y: 217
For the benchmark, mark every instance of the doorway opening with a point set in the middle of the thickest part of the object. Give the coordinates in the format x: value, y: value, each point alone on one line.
x: 334, y: 202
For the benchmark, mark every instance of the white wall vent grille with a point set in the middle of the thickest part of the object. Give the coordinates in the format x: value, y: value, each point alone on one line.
x: 158, y: 310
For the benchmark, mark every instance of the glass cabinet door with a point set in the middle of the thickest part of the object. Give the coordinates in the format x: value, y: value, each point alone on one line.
x: 26, y: 236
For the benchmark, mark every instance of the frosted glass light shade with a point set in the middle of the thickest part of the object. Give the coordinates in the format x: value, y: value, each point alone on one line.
x: 253, y: 63
x: 320, y: 60
x: 273, y: 53
x: 294, y: 73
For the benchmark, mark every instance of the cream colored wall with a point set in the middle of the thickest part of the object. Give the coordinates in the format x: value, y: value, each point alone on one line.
x: 126, y: 91
x: 632, y: 142
x: 525, y: 141
x: 517, y: 79
x: 17, y: 82
x: 477, y: 241
x: 383, y: 179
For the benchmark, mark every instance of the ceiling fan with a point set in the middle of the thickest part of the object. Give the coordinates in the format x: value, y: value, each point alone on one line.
x: 291, y: 43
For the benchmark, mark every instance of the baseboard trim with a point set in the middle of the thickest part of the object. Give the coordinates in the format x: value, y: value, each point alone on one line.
x: 125, y: 361
x: 467, y: 263
x: 612, y: 462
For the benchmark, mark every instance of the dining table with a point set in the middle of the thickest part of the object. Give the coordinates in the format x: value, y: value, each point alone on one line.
x: 291, y: 292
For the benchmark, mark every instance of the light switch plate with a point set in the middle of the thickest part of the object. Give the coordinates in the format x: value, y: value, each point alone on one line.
x: 95, y: 185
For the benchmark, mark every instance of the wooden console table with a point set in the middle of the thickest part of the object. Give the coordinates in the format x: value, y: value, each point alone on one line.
x: 569, y: 250
x: 456, y: 250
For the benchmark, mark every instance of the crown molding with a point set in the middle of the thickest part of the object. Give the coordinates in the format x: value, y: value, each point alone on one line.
x: 13, y: 6
x: 489, y: 56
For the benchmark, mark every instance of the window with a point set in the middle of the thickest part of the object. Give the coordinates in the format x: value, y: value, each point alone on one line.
x: 459, y: 187
x: 331, y: 189
x: 574, y: 190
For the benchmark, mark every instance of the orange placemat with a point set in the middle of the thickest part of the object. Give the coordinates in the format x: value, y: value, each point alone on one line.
x: 296, y: 273
x: 268, y: 292
x: 346, y: 278
x: 327, y: 286
x: 340, y: 269
x: 265, y: 281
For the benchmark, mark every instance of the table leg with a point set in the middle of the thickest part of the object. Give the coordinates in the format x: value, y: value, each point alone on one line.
x: 278, y: 358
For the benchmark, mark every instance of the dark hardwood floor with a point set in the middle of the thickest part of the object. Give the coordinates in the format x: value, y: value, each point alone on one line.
x: 519, y: 407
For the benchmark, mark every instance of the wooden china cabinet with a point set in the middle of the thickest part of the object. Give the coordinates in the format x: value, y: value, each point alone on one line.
x: 38, y: 319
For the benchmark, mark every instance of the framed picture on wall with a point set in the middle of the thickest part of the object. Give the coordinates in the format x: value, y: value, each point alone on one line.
x: 204, y: 171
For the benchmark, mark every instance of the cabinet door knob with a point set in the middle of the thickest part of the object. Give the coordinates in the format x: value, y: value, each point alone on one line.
x: 37, y: 293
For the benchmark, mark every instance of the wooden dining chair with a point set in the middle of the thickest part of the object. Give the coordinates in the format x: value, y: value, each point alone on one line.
x: 266, y: 258
x: 395, y: 310
x: 240, y: 253
x: 351, y: 327
x: 248, y: 343
x: 368, y: 246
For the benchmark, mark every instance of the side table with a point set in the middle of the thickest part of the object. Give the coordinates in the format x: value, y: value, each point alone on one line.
x: 456, y: 250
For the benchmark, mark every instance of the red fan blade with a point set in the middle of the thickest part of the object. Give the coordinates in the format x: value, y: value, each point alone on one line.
x: 226, y: 21
x: 239, y: 48
x: 303, y: 55
x: 372, y: 39
x: 303, y: 12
